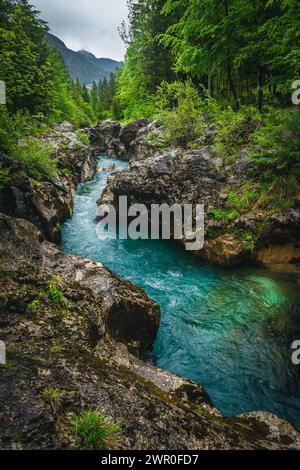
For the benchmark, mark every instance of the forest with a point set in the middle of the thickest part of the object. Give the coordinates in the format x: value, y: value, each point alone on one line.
x: 231, y: 63
x: 108, y: 342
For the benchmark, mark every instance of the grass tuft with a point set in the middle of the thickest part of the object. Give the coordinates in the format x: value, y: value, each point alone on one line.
x: 52, y: 396
x: 96, y: 430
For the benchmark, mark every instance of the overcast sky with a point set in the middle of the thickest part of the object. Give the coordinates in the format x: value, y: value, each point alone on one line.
x: 86, y: 24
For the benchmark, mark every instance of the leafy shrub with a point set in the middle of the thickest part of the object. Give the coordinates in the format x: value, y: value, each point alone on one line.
x: 83, y: 137
x: 34, y: 158
x: 96, y: 430
x: 278, y: 144
x: 54, y: 292
x: 226, y: 215
x: 234, y: 129
x: 219, y: 214
x: 55, y: 295
x: 277, y: 195
x: 7, y: 130
x: 242, y: 202
x: 180, y: 107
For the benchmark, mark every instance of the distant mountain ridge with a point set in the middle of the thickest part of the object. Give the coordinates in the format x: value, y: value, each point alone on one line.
x: 83, y: 64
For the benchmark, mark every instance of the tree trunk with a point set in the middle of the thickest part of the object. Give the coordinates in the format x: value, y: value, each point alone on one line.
x: 210, y: 84
x: 231, y: 87
x: 260, y: 92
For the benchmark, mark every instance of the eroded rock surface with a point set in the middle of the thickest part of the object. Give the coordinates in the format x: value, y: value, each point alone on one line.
x: 78, y: 345
x: 47, y: 204
x: 121, y: 141
x: 198, y: 177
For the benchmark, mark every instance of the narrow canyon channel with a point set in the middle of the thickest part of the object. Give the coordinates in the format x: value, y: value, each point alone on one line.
x: 229, y: 329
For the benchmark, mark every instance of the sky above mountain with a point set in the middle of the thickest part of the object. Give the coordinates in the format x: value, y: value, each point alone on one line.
x: 87, y: 24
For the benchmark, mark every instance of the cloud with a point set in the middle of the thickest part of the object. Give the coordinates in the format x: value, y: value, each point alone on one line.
x: 86, y: 24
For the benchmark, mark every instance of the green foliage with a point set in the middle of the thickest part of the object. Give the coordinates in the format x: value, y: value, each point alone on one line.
x: 56, y: 348
x: 147, y: 63
x: 233, y: 44
x: 244, y: 201
x: 226, y: 215
x: 180, y: 107
x: 116, y: 109
x: 57, y: 228
x: 96, y: 430
x: 55, y: 295
x: 157, y: 140
x: 268, y: 198
x: 7, y: 130
x: 249, y: 241
x: 39, y: 90
x: 36, y: 79
x: 34, y: 158
x: 83, y: 137
x: 242, y: 52
x: 202, y: 411
x: 7, y: 366
x: 34, y: 305
x: 234, y: 129
x: 277, y: 150
x: 103, y: 99
x: 54, y: 291
x: 278, y: 194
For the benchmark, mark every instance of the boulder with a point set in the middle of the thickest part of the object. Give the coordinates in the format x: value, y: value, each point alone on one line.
x: 177, y: 176
x: 105, y: 137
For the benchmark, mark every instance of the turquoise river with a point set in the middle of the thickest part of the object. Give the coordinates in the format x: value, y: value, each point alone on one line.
x: 228, y: 329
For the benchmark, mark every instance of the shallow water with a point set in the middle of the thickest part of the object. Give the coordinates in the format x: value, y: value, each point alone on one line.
x: 227, y: 329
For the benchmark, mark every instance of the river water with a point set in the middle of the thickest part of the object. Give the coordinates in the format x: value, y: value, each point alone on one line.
x: 228, y: 329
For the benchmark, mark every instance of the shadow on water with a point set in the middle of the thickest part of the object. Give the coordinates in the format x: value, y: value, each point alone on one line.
x: 228, y: 329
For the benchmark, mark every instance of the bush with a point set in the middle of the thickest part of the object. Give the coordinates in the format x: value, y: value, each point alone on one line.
x: 180, y: 107
x: 96, y: 430
x: 83, y: 137
x: 277, y: 151
x: 35, y: 160
x: 55, y: 295
x: 234, y: 129
x: 7, y: 130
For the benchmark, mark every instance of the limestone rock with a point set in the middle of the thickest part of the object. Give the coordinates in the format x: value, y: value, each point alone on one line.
x: 81, y: 348
x: 47, y: 204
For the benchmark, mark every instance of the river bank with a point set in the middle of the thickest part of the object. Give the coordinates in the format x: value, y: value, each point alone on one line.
x: 86, y: 345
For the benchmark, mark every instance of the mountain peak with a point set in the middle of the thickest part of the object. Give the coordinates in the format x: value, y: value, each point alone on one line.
x: 85, y: 53
x: 83, y: 65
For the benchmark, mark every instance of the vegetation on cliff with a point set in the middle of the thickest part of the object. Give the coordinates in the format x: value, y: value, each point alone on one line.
x: 39, y: 91
x: 226, y: 69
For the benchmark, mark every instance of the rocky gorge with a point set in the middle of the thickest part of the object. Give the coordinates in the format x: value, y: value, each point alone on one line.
x: 237, y: 229
x: 91, y: 343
